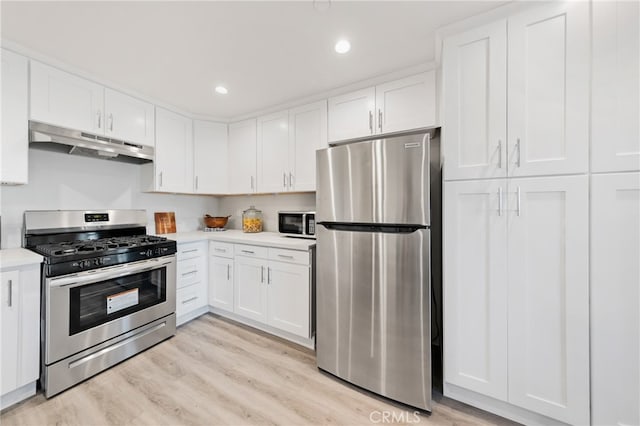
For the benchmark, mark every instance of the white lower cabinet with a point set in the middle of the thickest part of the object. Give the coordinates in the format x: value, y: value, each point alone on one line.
x: 516, y: 292
x: 191, y: 281
x: 288, y: 284
x: 475, y: 292
x: 20, y: 333
x: 615, y: 299
x: 221, y: 275
x: 548, y: 286
x: 250, y: 292
x: 268, y: 287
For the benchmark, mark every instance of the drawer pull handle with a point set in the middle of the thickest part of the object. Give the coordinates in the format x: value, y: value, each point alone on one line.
x: 248, y: 251
x: 189, y: 273
x: 220, y: 250
x: 190, y: 251
x: 191, y: 299
x: 284, y: 256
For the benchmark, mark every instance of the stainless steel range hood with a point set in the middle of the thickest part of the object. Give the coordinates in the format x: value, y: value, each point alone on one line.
x: 60, y: 139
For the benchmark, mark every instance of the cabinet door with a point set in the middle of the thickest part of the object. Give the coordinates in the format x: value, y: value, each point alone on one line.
x: 475, y: 103
x: 221, y: 283
x: 615, y: 137
x: 615, y: 299
x: 29, y: 363
x: 174, y: 152
x: 307, y: 134
x: 250, y: 288
x: 351, y: 115
x: 475, y: 286
x: 242, y: 155
x: 549, y: 297
x: 210, y: 157
x: 548, y: 90
x: 406, y: 104
x: 14, y: 155
x: 128, y: 118
x: 273, y: 152
x: 66, y: 100
x: 288, y: 297
x: 10, y: 328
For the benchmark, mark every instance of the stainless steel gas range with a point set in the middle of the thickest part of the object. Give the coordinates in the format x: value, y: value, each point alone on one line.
x: 108, y: 290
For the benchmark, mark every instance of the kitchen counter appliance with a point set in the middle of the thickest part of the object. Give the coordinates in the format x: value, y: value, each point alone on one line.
x: 108, y: 290
x: 373, y: 265
x: 300, y: 224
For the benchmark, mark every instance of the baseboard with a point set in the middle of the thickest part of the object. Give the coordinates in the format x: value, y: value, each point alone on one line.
x: 500, y: 408
x: 307, y: 343
x: 191, y: 315
x: 15, y: 396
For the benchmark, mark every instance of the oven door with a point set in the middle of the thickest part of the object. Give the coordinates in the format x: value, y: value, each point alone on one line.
x: 88, y: 308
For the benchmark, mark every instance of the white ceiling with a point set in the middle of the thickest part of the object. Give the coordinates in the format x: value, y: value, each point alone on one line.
x: 265, y: 53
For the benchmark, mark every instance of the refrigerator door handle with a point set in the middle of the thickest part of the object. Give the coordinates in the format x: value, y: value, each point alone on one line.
x: 389, y: 228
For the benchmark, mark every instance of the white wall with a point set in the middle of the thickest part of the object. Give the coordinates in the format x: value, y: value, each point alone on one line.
x: 269, y: 204
x: 68, y: 182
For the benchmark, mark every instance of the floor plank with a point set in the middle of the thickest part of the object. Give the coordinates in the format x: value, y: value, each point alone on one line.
x: 217, y: 372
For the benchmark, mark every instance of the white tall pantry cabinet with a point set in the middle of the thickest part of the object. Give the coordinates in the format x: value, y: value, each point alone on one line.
x: 516, y: 231
x: 615, y: 214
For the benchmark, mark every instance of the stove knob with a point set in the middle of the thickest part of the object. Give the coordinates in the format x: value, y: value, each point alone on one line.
x: 149, y: 253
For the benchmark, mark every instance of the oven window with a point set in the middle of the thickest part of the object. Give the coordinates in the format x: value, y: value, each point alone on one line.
x: 291, y: 224
x: 101, y: 302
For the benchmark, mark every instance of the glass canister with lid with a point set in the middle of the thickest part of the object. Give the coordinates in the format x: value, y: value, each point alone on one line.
x: 252, y: 220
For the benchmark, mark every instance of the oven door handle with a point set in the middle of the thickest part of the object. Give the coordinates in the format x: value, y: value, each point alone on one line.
x: 77, y: 280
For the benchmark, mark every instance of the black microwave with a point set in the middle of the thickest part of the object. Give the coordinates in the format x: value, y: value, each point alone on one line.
x: 297, y: 223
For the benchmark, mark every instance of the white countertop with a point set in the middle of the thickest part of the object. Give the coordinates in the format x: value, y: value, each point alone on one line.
x: 267, y: 239
x: 15, y: 257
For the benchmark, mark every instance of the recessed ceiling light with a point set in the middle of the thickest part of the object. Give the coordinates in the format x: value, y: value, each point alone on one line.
x: 343, y: 46
x: 222, y: 90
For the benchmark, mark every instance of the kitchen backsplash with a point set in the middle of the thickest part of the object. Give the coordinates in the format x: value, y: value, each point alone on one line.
x: 67, y: 182
x: 269, y: 204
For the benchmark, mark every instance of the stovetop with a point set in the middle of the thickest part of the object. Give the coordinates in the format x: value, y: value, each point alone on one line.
x: 69, y: 250
x: 66, y: 257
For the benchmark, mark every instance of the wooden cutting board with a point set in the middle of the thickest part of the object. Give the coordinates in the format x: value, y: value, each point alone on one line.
x: 165, y: 222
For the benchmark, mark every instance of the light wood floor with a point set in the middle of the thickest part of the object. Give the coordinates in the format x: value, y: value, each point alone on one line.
x: 218, y: 372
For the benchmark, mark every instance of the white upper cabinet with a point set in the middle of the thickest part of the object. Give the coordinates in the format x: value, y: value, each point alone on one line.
x: 14, y: 146
x: 273, y: 152
x: 174, y: 152
x: 404, y: 104
x: 307, y: 134
x: 475, y: 273
x: 475, y: 103
x: 548, y: 90
x: 242, y: 157
x: 351, y: 115
x: 548, y: 322
x: 210, y: 161
x: 66, y: 100
x: 615, y: 133
x: 128, y: 118
x: 615, y: 299
x: 408, y: 103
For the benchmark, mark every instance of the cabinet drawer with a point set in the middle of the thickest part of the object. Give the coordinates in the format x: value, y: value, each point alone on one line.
x: 251, y: 251
x: 189, y: 299
x: 188, y: 272
x: 190, y: 250
x: 221, y: 249
x: 293, y: 256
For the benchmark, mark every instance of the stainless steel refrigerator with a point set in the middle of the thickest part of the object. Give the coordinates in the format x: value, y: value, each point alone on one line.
x: 373, y: 295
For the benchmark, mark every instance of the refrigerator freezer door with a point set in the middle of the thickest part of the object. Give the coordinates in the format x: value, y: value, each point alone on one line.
x: 378, y: 181
x: 373, y: 312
